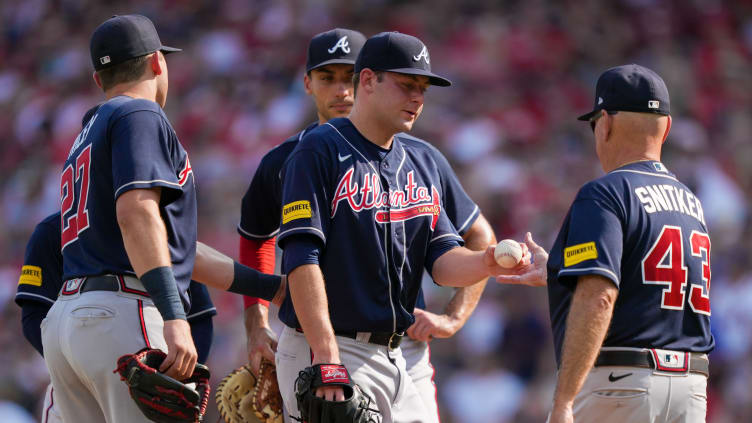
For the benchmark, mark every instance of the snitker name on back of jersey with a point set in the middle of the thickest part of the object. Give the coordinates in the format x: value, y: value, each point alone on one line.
x: 670, y: 198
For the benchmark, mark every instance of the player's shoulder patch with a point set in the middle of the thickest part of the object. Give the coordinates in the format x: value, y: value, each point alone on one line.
x: 296, y: 210
x: 579, y: 253
x: 30, y: 275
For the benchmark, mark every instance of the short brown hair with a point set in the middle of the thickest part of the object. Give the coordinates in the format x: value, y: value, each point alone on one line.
x: 128, y: 71
x: 356, y: 80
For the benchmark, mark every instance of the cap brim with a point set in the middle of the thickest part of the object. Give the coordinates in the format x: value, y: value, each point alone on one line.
x: 587, y: 116
x: 432, y: 77
x: 168, y: 50
x: 332, y: 62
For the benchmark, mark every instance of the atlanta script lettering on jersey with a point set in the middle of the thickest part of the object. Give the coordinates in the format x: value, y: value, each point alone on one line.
x: 656, y: 198
x: 413, y: 201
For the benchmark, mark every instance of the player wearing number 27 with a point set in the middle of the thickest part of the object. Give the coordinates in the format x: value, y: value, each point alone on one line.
x: 629, y: 273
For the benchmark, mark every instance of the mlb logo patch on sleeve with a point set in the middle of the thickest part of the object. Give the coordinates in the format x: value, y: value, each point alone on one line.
x: 579, y: 253
x: 296, y: 210
x: 30, y: 275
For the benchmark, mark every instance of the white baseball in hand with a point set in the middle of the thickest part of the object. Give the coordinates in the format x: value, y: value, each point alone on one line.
x: 508, y: 253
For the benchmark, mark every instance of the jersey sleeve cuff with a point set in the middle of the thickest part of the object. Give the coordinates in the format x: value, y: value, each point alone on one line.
x: 595, y: 270
x: 209, y: 312
x: 28, y: 296
x: 303, y: 230
x: 174, y: 187
x: 255, y: 237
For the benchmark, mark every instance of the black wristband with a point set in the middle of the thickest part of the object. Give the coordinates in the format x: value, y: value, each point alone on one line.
x: 251, y: 282
x: 162, y: 287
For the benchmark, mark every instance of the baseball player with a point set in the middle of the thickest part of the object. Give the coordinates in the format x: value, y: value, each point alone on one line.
x: 629, y: 273
x: 328, y: 79
x: 41, y: 281
x: 128, y: 235
x: 362, y: 216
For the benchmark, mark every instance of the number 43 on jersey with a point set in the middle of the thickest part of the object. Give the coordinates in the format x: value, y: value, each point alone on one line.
x: 665, y: 265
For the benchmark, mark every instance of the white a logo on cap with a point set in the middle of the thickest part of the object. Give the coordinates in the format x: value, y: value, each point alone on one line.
x: 343, y: 44
x: 422, y: 55
x: 104, y: 60
x: 654, y: 104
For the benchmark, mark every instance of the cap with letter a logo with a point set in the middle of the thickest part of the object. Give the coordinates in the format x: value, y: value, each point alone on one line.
x: 397, y: 52
x: 630, y: 88
x: 336, y: 46
x: 122, y: 38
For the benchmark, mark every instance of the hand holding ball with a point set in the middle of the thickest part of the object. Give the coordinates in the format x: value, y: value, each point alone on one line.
x: 508, y: 253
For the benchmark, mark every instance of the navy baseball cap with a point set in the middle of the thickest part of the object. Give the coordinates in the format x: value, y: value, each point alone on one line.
x: 122, y: 38
x: 336, y: 46
x: 397, y: 52
x: 630, y: 88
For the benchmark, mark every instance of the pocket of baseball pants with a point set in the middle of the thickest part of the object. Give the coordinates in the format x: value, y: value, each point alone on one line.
x: 92, y: 313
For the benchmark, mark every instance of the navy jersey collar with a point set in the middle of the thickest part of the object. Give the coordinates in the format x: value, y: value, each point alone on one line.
x: 649, y: 166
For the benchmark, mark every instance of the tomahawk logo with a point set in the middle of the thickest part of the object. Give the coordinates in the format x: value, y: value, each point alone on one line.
x: 343, y: 44
x: 414, y: 201
x: 187, y: 170
x: 422, y: 55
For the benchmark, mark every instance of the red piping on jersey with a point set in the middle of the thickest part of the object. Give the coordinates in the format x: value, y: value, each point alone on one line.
x: 258, y: 254
x: 143, y: 324
x: 52, y: 402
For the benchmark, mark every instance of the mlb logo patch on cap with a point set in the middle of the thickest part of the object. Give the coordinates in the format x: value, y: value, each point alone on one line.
x: 654, y: 104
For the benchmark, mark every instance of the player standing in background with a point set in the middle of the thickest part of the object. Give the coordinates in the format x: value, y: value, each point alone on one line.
x: 362, y: 216
x: 128, y: 235
x: 40, y: 284
x: 629, y: 273
x: 328, y: 80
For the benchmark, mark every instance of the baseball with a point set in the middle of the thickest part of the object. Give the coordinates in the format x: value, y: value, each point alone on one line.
x: 508, y: 253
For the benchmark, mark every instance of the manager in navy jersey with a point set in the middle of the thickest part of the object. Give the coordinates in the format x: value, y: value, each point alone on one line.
x: 128, y: 235
x: 328, y: 80
x: 362, y: 216
x: 629, y: 273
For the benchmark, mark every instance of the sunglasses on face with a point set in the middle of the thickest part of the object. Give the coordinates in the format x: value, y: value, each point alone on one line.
x: 598, y: 116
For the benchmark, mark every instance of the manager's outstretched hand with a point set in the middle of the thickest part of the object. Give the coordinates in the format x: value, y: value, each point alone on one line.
x: 533, y: 273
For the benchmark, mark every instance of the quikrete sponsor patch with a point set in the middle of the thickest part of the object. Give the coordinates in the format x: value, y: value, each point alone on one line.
x: 31, y: 275
x: 296, y: 210
x: 579, y: 253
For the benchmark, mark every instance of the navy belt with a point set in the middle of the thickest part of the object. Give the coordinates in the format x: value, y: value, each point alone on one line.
x: 698, y: 362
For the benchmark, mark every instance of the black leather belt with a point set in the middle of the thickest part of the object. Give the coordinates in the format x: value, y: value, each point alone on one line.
x: 391, y: 340
x: 101, y: 283
x: 387, y: 339
x: 698, y: 362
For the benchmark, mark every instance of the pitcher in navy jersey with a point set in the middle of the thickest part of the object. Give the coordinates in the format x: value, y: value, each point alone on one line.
x: 629, y: 273
x: 328, y: 80
x: 362, y: 216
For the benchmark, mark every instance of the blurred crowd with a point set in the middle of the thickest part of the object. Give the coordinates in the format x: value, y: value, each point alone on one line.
x: 522, y: 71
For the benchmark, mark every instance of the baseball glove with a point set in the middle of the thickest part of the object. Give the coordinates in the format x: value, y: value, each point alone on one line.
x: 241, y: 398
x: 160, y: 397
x: 356, y: 408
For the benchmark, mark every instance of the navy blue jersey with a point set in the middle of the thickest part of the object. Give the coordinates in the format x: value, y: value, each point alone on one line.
x: 42, y: 271
x: 262, y: 203
x: 641, y: 228
x: 127, y: 144
x: 378, y: 215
